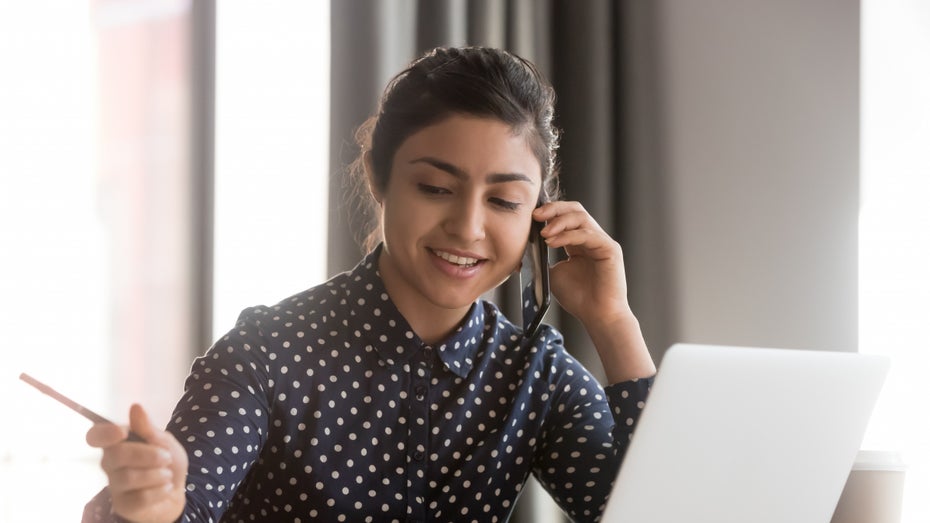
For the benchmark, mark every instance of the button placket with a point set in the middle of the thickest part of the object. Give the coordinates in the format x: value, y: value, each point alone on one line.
x: 419, y: 432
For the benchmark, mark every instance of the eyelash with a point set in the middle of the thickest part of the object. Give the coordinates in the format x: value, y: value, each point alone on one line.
x: 433, y: 190
x: 505, y: 204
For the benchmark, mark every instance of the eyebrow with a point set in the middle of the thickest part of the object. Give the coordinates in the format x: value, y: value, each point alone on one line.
x: 459, y: 173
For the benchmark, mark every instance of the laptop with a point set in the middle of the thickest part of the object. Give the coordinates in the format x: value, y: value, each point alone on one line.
x: 746, y: 435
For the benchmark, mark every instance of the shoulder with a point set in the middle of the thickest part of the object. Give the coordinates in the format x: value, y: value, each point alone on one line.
x: 315, y: 303
x: 269, y: 338
x: 546, y: 345
x: 542, y: 363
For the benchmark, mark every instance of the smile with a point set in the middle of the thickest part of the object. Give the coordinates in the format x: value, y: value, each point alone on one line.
x: 462, y: 261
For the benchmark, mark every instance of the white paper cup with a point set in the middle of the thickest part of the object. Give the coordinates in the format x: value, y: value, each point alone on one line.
x: 873, y: 490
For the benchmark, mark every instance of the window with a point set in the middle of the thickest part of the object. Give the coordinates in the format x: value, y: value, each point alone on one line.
x: 53, y: 259
x: 272, y: 149
x: 95, y: 210
x: 96, y: 260
x: 895, y: 232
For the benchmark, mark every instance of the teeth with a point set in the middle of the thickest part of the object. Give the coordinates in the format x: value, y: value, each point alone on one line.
x: 458, y: 260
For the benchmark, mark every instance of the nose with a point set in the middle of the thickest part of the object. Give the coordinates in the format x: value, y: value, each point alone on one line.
x: 466, y: 220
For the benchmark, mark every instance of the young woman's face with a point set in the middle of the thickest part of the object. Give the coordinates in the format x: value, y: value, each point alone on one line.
x: 456, y: 213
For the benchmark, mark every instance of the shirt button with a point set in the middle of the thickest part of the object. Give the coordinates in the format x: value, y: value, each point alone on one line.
x: 421, y: 392
x: 418, y: 456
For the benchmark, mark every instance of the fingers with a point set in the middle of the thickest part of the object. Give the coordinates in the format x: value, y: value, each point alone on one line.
x: 134, y: 465
x: 590, y: 240
x: 569, y: 224
x: 133, y: 455
x: 163, y: 441
x: 103, y: 435
x: 146, y: 478
x: 560, y: 210
x: 563, y: 216
x: 140, y: 501
x: 149, y: 481
x: 138, y: 469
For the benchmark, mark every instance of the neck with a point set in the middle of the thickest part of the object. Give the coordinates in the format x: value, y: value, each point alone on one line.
x: 431, y: 322
x: 432, y: 332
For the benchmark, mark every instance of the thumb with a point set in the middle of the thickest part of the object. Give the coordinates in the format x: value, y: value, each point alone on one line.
x: 141, y: 425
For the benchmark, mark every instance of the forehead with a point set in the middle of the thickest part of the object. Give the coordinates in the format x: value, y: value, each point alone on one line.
x: 477, y: 146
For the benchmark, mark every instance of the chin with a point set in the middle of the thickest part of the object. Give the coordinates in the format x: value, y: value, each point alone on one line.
x: 455, y: 303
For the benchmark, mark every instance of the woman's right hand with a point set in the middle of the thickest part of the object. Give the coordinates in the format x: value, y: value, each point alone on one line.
x: 146, y: 479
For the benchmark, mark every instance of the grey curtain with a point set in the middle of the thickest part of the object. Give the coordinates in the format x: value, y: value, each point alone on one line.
x: 598, y: 55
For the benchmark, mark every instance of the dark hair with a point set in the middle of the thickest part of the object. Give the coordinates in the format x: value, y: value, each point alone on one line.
x: 475, y: 81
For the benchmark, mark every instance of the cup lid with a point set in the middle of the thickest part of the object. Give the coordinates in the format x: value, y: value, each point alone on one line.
x: 888, y: 460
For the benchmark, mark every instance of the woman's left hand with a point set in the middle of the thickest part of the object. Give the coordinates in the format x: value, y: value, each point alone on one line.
x: 591, y: 283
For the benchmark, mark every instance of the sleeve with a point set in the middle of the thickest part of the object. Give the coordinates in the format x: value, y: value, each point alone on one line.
x: 221, y: 420
x: 588, y: 430
x: 97, y: 510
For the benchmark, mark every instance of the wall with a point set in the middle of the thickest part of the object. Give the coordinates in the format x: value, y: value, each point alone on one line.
x: 758, y: 147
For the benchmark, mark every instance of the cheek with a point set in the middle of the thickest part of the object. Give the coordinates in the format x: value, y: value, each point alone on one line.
x: 395, y: 209
x: 402, y: 219
x: 513, y: 241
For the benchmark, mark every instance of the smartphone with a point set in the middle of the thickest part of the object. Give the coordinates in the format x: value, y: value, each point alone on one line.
x: 534, y: 281
x: 73, y: 405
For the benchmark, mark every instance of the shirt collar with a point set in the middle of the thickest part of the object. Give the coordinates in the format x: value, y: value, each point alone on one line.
x: 386, y: 329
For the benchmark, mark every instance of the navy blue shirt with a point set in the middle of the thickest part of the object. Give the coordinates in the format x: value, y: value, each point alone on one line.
x: 328, y: 407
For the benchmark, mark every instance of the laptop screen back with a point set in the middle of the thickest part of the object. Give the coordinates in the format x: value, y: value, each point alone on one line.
x: 734, y: 434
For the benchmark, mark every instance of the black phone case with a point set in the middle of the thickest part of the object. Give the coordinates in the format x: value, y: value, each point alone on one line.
x: 534, y: 281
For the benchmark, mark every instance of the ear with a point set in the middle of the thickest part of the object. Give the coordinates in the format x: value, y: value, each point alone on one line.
x: 370, y: 177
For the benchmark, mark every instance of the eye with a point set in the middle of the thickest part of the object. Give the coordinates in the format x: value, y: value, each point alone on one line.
x: 505, y: 204
x: 432, y: 189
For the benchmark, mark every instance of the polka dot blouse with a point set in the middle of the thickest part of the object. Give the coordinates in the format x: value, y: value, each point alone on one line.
x: 328, y: 407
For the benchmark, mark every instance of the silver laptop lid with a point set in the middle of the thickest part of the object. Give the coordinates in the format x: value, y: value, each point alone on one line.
x: 738, y: 434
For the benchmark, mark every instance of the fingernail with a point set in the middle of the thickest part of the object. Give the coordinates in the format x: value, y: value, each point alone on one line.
x: 164, y: 455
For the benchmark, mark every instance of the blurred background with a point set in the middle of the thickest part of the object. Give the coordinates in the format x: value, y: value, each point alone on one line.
x: 165, y: 164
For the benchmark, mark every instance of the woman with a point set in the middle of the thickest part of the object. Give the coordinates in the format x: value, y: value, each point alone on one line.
x: 393, y: 391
